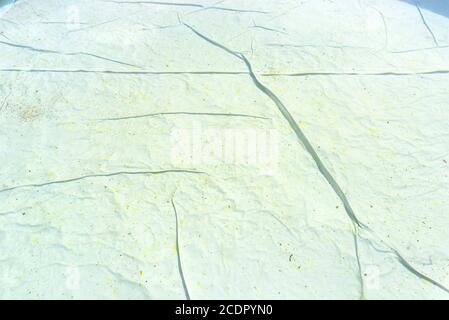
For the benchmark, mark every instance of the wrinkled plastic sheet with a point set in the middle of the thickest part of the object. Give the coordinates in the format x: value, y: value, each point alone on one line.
x: 233, y: 149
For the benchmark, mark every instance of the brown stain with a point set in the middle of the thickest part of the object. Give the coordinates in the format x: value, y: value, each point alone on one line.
x: 30, y: 113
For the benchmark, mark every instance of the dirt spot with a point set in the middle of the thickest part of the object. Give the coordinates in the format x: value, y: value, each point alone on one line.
x: 30, y: 113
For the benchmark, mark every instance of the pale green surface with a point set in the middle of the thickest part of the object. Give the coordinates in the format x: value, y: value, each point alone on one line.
x: 246, y: 230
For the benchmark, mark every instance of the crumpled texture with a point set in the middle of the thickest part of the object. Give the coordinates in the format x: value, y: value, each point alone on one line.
x: 109, y: 113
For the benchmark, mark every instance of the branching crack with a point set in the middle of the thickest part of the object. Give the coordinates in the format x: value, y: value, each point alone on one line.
x: 358, y: 225
x: 181, y: 274
x: 286, y: 114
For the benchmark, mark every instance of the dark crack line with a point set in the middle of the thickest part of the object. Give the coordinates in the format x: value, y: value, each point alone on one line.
x: 284, y: 45
x: 181, y: 274
x: 300, y: 74
x: 294, y: 126
x: 191, y: 5
x: 308, y: 146
x: 61, y: 22
x: 357, y: 255
x: 184, y: 113
x: 300, y: 135
x: 126, y: 72
x: 284, y: 225
x: 307, y: 74
x: 425, y: 23
x: 4, y: 36
x: 410, y: 268
x: 267, y: 29
x: 120, y: 173
x: 235, y: 10
x: 421, y: 49
x: 66, y: 53
x: 91, y: 26
x: 323, y: 170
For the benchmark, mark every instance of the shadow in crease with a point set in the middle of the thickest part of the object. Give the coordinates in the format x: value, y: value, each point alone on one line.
x: 440, y: 7
x: 5, y: 5
x: 6, y: 2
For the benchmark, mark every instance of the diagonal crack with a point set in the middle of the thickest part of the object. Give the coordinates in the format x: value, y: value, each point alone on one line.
x: 287, y: 115
x: 303, y: 139
x: 3, y: 35
x: 425, y: 23
x: 81, y: 53
x: 358, y: 225
x: 266, y: 28
x: 410, y: 268
x: 181, y: 274
x: 120, y: 173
